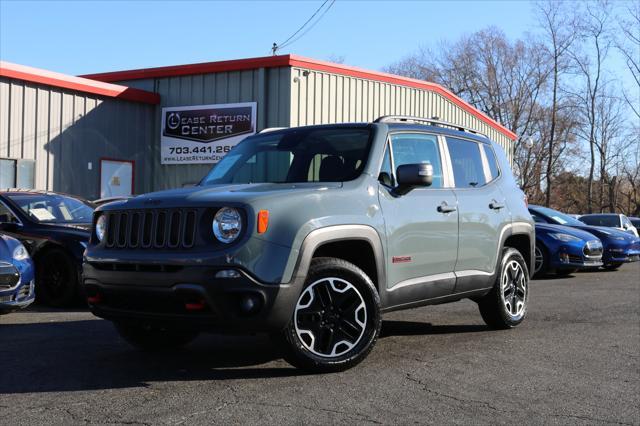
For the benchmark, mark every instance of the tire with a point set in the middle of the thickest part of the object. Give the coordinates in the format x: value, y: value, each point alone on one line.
x: 338, y: 301
x: 56, y: 278
x: 541, y: 266
x: 506, y: 305
x: 612, y: 266
x: 565, y: 272
x: 152, y: 338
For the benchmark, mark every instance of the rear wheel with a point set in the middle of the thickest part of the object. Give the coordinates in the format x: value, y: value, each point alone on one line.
x: 56, y: 278
x: 506, y: 305
x: 336, y: 321
x: 612, y: 266
x: 154, y: 338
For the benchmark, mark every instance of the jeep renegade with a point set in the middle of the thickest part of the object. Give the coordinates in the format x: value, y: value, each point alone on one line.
x: 311, y: 233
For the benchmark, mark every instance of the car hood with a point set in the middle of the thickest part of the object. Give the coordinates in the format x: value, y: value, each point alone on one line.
x: 80, y: 229
x: 604, y: 232
x: 549, y: 228
x: 204, y: 195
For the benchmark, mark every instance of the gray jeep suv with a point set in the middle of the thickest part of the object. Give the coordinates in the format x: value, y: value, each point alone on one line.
x: 311, y: 233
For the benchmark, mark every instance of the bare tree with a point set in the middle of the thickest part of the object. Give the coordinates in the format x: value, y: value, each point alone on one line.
x: 560, y: 33
x: 590, y: 68
x: 629, y: 47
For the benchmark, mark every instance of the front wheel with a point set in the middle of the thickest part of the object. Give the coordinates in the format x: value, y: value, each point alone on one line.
x: 154, y: 338
x: 336, y: 321
x: 506, y: 305
x: 56, y: 278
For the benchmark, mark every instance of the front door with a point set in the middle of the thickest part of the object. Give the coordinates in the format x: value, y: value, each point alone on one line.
x: 421, y: 226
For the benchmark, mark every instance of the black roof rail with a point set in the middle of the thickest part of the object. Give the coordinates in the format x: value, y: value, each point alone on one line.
x: 435, y: 121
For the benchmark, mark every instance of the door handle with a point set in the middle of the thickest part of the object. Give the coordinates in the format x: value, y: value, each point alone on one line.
x: 445, y: 208
x: 494, y: 205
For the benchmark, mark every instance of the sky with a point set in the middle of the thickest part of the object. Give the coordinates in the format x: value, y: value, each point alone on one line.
x: 80, y: 37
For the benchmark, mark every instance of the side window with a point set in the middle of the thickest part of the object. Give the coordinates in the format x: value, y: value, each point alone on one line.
x: 411, y: 148
x: 467, y: 163
x: 386, y: 171
x: 491, y: 161
x: 5, y: 215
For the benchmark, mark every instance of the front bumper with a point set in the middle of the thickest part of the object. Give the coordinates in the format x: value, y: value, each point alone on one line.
x: 18, y: 297
x: 577, y: 256
x: 187, y: 297
x: 621, y: 256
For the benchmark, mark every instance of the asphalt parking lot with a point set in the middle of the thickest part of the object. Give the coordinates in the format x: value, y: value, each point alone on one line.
x: 576, y: 359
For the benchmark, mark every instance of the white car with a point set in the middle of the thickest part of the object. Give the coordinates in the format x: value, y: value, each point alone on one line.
x: 610, y: 220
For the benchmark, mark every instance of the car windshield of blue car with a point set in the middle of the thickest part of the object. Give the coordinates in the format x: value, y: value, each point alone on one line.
x: 558, y: 217
x: 53, y: 208
x: 333, y: 154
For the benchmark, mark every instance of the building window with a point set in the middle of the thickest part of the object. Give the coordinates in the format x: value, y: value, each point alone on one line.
x: 17, y: 173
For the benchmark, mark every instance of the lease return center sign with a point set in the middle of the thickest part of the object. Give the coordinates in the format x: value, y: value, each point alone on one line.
x: 204, y: 133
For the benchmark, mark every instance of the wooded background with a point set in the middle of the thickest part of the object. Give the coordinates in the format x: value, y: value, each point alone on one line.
x: 575, y: 110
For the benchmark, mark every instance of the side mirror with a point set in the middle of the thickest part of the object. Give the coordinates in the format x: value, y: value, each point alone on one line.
x: 413, y: 175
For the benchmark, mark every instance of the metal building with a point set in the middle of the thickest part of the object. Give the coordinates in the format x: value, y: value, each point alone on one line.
x: 68, y: 124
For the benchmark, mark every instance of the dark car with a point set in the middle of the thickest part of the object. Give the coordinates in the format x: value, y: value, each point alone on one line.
x: 619, y: 247
x: 16, y: 276
x: 565, y: 250
x: 635, y: 221
x: 55, y: 230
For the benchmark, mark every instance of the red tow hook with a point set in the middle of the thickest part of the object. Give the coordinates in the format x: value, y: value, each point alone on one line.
x: 95, y: 299
x: 195, y: 306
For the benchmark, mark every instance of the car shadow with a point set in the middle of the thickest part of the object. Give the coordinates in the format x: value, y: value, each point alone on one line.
x: 89, y: 355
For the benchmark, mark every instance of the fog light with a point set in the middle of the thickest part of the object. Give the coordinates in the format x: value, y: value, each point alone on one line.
x: 250, y: 304
x: 227, y: 273
x: 564, y: 258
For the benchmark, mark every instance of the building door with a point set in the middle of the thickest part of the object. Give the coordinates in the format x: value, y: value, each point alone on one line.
x: 116, y: 178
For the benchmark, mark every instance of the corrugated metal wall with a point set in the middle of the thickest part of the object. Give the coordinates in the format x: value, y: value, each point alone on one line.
x: 268, y: 87
x: 65, y: 130
x: 321, y: 97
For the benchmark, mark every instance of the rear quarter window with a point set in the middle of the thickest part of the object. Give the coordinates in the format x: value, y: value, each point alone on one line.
x: 466, y: 160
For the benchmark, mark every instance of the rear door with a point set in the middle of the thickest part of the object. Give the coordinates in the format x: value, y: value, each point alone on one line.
x: 482, y: 213
x: 421, y: 226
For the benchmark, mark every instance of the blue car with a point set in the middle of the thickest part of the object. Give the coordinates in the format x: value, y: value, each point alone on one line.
x: 619, y: 247
x: 565, y: 250
x: 17, y: 284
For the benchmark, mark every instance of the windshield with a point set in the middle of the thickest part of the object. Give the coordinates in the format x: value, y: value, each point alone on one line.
x: 558, y: 217
x: 297, y: 155
x: 602, y: 220
x: 53, y: 208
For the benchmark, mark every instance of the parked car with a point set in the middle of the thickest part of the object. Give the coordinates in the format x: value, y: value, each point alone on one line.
x: 619, y: 247
x: 610, y: 220
x: 565, y: 250
x: 17, y: 288
x: 55, y: 229
x: 346, y: 222
x: 635, y: 221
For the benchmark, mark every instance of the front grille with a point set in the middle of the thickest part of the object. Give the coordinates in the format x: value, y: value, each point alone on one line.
x: 593, y: 249
x: 9, y: 276
x: 158, y: 229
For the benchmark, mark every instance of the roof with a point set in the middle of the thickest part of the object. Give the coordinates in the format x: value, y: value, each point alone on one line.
x: 301, y: 62
x: 50, y: 78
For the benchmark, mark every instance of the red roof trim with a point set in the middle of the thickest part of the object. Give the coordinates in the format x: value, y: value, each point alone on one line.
x: 50, y: 78
x: 302, y: 62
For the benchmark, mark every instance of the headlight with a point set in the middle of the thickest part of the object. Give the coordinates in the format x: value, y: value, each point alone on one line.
x: 564, y: 237
x: 227, y: 224
x: 20, y: 253
x: 101, y: 227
